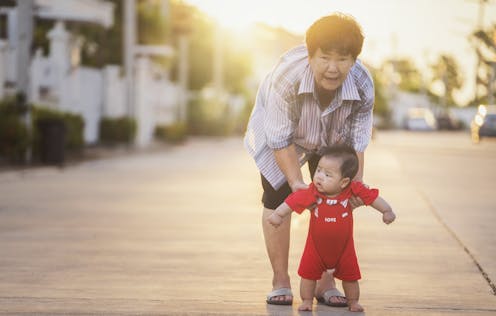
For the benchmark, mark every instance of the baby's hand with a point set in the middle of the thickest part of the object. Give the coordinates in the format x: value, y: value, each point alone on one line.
x: 274, y: 219
x: 388, y: 217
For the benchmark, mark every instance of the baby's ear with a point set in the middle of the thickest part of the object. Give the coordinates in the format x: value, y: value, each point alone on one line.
x: 344, y: 182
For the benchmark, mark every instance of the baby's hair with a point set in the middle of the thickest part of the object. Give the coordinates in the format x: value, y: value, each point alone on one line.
x: 348, y: 156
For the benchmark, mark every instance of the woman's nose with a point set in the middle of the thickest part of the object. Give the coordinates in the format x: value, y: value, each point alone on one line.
x: 332, y: 66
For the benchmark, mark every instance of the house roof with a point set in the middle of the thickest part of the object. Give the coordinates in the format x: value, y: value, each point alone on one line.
x: 93, y: 11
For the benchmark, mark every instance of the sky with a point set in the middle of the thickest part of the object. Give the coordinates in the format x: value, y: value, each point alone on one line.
x: 418, y: 29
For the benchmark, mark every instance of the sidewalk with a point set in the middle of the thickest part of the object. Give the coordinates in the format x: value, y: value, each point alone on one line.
x: 177, y: 232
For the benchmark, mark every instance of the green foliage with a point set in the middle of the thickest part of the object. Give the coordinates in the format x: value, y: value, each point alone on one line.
x: 153, y: 26
x: 485, y: 48
x: 40, y: 40
x: 208, y: 117
x: 237, y: 63
x: 446, y: 71
x: 14, y: 136
x: 101, y: 46
x: 237, y: 67
x: 117, y: 130
x: 174, y: 133
x: 381, y: 106
x: 410, y: 78
x: 200, y: 51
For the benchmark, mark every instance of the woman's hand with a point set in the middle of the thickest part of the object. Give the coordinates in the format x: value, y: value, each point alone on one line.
x: 275, y: 219
x: 298, y: 186
x: 355, y: 202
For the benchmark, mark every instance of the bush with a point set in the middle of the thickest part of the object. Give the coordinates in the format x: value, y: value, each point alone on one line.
x: 174, y: 133
x: 208, y: 118
x: 14, y: 136
x: 117, y: 130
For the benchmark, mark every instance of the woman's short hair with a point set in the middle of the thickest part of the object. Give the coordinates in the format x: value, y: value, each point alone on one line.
x: 339, y: 32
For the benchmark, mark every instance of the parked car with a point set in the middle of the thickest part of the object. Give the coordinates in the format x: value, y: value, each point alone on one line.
x: 420, y: 119
x: 484, y: 123
x: 447, y: 121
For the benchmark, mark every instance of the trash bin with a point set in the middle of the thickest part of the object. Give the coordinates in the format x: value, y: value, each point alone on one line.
x: 52, y: 140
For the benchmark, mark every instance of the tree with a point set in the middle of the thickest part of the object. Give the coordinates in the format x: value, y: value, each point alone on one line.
x: 381, y: 106
x: 445, y: 73
x: 408, y: 78
x: 237, y: 63
x: 484, y: 42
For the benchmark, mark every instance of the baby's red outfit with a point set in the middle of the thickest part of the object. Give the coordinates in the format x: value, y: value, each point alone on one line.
x: 330, y: 235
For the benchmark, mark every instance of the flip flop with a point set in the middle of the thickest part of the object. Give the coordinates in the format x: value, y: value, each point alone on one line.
x: 279, y: 292
x: 325, y: 298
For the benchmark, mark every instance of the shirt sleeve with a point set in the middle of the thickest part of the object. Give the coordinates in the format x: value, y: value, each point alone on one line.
x: 367, y: 195
x: 300, y: 200
x: 361, y: 123
x: 278, y: 124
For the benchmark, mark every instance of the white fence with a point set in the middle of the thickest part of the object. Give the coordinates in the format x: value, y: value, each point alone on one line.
x: 58, y: 81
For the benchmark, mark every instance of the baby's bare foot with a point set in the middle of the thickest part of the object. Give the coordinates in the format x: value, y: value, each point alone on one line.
x: 355, y: 307
x: 306, y: 305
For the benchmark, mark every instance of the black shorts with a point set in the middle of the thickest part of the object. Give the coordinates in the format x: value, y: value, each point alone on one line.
x: 272, y: 198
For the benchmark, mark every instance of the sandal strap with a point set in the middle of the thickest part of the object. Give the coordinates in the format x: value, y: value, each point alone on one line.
x: 280, y: 292
x: 332, y: 293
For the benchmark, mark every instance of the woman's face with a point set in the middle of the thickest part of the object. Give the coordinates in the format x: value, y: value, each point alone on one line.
x: 330, y: 69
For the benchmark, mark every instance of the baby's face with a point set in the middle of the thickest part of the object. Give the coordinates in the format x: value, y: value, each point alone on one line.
x: 328, y: 178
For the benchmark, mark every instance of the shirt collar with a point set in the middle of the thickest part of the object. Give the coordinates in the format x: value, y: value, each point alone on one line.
x: 349, y: 90
x: 307, y: 83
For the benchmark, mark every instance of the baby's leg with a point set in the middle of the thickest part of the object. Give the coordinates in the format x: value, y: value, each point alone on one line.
x: 307, y: 289
x: 352, y: 292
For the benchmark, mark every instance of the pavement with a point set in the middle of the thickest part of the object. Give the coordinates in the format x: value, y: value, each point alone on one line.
x: 177, y: 232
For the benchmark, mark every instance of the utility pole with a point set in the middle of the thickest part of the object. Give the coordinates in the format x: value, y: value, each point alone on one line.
x: 182, y: 25
x: 129, y: 46
x: 24, y: 40
x: 490, y: 85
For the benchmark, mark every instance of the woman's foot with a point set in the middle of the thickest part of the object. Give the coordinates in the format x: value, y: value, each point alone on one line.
x: 332, y: 297
x: 281, y: 296
x: 306, y: 305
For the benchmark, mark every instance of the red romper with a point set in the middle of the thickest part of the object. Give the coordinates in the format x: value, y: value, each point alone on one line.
x: 330, y: 235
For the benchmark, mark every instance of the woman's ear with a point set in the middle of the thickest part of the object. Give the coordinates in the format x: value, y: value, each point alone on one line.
x: 344, y: 182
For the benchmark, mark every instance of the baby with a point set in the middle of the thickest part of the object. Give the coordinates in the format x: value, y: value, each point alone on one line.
x: 329, y: 242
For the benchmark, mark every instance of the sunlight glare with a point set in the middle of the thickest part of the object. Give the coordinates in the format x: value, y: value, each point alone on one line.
x: 230, y: 14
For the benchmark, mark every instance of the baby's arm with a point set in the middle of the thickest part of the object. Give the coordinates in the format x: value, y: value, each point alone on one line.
x: 382, y: 206
x: 277, y: 217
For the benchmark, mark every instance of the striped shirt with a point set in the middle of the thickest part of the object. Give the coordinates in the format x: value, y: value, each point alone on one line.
x: 287, y: 111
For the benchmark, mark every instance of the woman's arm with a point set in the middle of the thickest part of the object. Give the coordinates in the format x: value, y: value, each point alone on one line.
x: 287, y: 160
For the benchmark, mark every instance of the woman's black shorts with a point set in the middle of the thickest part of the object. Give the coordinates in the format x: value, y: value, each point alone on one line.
x: 272, y: 198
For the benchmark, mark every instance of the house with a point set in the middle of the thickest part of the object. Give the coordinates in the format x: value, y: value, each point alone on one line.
x: 60, y: 82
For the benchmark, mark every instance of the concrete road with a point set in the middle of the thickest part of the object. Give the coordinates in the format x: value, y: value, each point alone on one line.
x: 456, y: 178
x: 178, y: 233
